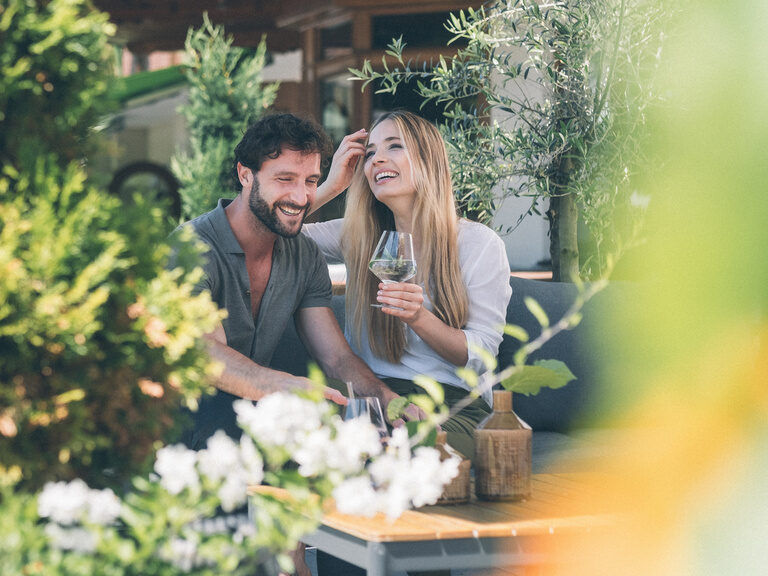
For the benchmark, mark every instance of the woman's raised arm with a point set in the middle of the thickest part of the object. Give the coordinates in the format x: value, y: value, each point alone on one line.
x: 343, y: 165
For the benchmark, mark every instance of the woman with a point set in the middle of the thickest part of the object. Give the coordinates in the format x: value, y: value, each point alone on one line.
x: 458, y: 300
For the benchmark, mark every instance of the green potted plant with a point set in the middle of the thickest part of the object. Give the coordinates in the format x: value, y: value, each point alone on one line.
x: 548, y: 103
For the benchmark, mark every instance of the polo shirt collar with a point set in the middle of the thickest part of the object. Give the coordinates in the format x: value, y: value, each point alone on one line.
x: 221, y: 226
x: 220, y: 223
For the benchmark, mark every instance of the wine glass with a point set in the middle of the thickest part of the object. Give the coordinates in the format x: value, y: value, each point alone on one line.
x: 393, y: 261
x: 367, y: 407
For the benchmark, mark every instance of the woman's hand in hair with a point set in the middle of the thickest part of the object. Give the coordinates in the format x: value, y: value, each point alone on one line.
x: 342, y: 169
x: 407, y: 300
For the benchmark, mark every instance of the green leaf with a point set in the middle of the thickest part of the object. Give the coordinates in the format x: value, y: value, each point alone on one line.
x: 574, y: 320
x: 412, y: 427
x: 424, y: 429
x: 396, y: 407
x: 431, y: 387
x: 517, y: 332
x: 74, y: 395
x: 529, y: 380
x: 315, y: 374
x: 538, y: 312
x: 489, y: 360
x: 468, y: 375
x: 423, y: 401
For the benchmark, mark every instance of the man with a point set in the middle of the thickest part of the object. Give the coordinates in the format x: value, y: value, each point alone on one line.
x: 265, y: 274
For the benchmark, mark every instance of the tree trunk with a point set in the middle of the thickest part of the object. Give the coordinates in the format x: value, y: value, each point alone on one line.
x: 563, y: 238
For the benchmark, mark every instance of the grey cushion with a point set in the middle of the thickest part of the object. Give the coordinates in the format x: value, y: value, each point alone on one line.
x: 584, y: 349
x: 290, y: 355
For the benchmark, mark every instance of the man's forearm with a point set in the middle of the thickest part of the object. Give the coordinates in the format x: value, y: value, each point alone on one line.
x: 350, y: 368
x: 365, y: 383
x: 244, y: 378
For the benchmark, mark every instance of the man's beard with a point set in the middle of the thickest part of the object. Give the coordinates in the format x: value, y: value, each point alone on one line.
x: 268, y: 216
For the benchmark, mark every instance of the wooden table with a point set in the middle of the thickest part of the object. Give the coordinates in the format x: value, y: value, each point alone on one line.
x: 468, y: 536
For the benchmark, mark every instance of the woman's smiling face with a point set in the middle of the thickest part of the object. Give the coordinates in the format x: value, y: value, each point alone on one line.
x: 387, y: 166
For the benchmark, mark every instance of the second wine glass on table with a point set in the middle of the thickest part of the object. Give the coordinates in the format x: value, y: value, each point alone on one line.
x: 393, y: 260
x: 369, y: 408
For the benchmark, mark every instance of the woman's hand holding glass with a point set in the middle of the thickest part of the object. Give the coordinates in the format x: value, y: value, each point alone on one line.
x: 401, y: 299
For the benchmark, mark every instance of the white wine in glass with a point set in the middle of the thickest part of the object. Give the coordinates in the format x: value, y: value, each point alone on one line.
x: 393, y: 261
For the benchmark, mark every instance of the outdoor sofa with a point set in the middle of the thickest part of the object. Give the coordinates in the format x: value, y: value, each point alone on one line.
x: 565, y: 435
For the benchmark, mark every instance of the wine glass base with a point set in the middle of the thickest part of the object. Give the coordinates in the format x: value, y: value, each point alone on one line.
x: 385, y: 306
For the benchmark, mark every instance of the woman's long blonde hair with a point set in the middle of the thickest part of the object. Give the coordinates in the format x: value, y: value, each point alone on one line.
x: 435, y: 227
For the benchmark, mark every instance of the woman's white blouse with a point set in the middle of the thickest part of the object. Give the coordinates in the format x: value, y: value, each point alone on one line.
x: 485, y: 271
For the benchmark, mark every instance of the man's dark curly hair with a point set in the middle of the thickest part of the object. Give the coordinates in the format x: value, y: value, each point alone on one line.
x: 267, y: 137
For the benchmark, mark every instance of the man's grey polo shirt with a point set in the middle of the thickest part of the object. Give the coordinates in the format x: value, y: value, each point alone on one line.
x: 299, y: 279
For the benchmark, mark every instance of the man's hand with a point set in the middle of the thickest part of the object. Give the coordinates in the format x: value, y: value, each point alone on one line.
x: 328, y: 393
x: 244, y: 378
x: 412, y: 413
x: 334, y: 396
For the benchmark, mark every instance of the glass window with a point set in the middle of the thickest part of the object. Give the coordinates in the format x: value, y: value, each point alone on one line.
x: 335, y: 112
x: 407, y: 98
x: 152, y: 181
x: 336, y: 106
x: 336, y: 41
x: 417, y: 30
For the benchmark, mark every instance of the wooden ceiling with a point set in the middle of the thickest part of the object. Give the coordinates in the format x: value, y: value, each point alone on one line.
x: 147, y: 25
x: 144, y: 26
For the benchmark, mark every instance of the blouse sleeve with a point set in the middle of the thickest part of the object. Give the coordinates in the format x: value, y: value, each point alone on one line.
x: 327, y: 236
x: 485, y: 270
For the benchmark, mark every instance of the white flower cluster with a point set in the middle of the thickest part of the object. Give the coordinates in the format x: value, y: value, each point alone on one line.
x: 348, y: 454
x: 281, y: 419
x: 70, y: 504
x: 641, y: 201
x: 231, y: 465
x: 75, y: 538
x: 367, y: 478
x: 184, y: 552
x: 225, y: 465
x: 317, y: 440
x: 396, y: 480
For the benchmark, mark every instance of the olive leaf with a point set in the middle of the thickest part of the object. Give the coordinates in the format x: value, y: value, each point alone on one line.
x: 431, y: 387
x: 530, y: 379
x: 396, y: 407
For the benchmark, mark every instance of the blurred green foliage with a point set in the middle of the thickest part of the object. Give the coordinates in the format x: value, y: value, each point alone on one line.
x: 226, y: 95
x: 706, y: 220
x: 54, y: 75
x: 690, y: 373
x: 99, y: 340
x: 99, y: 343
